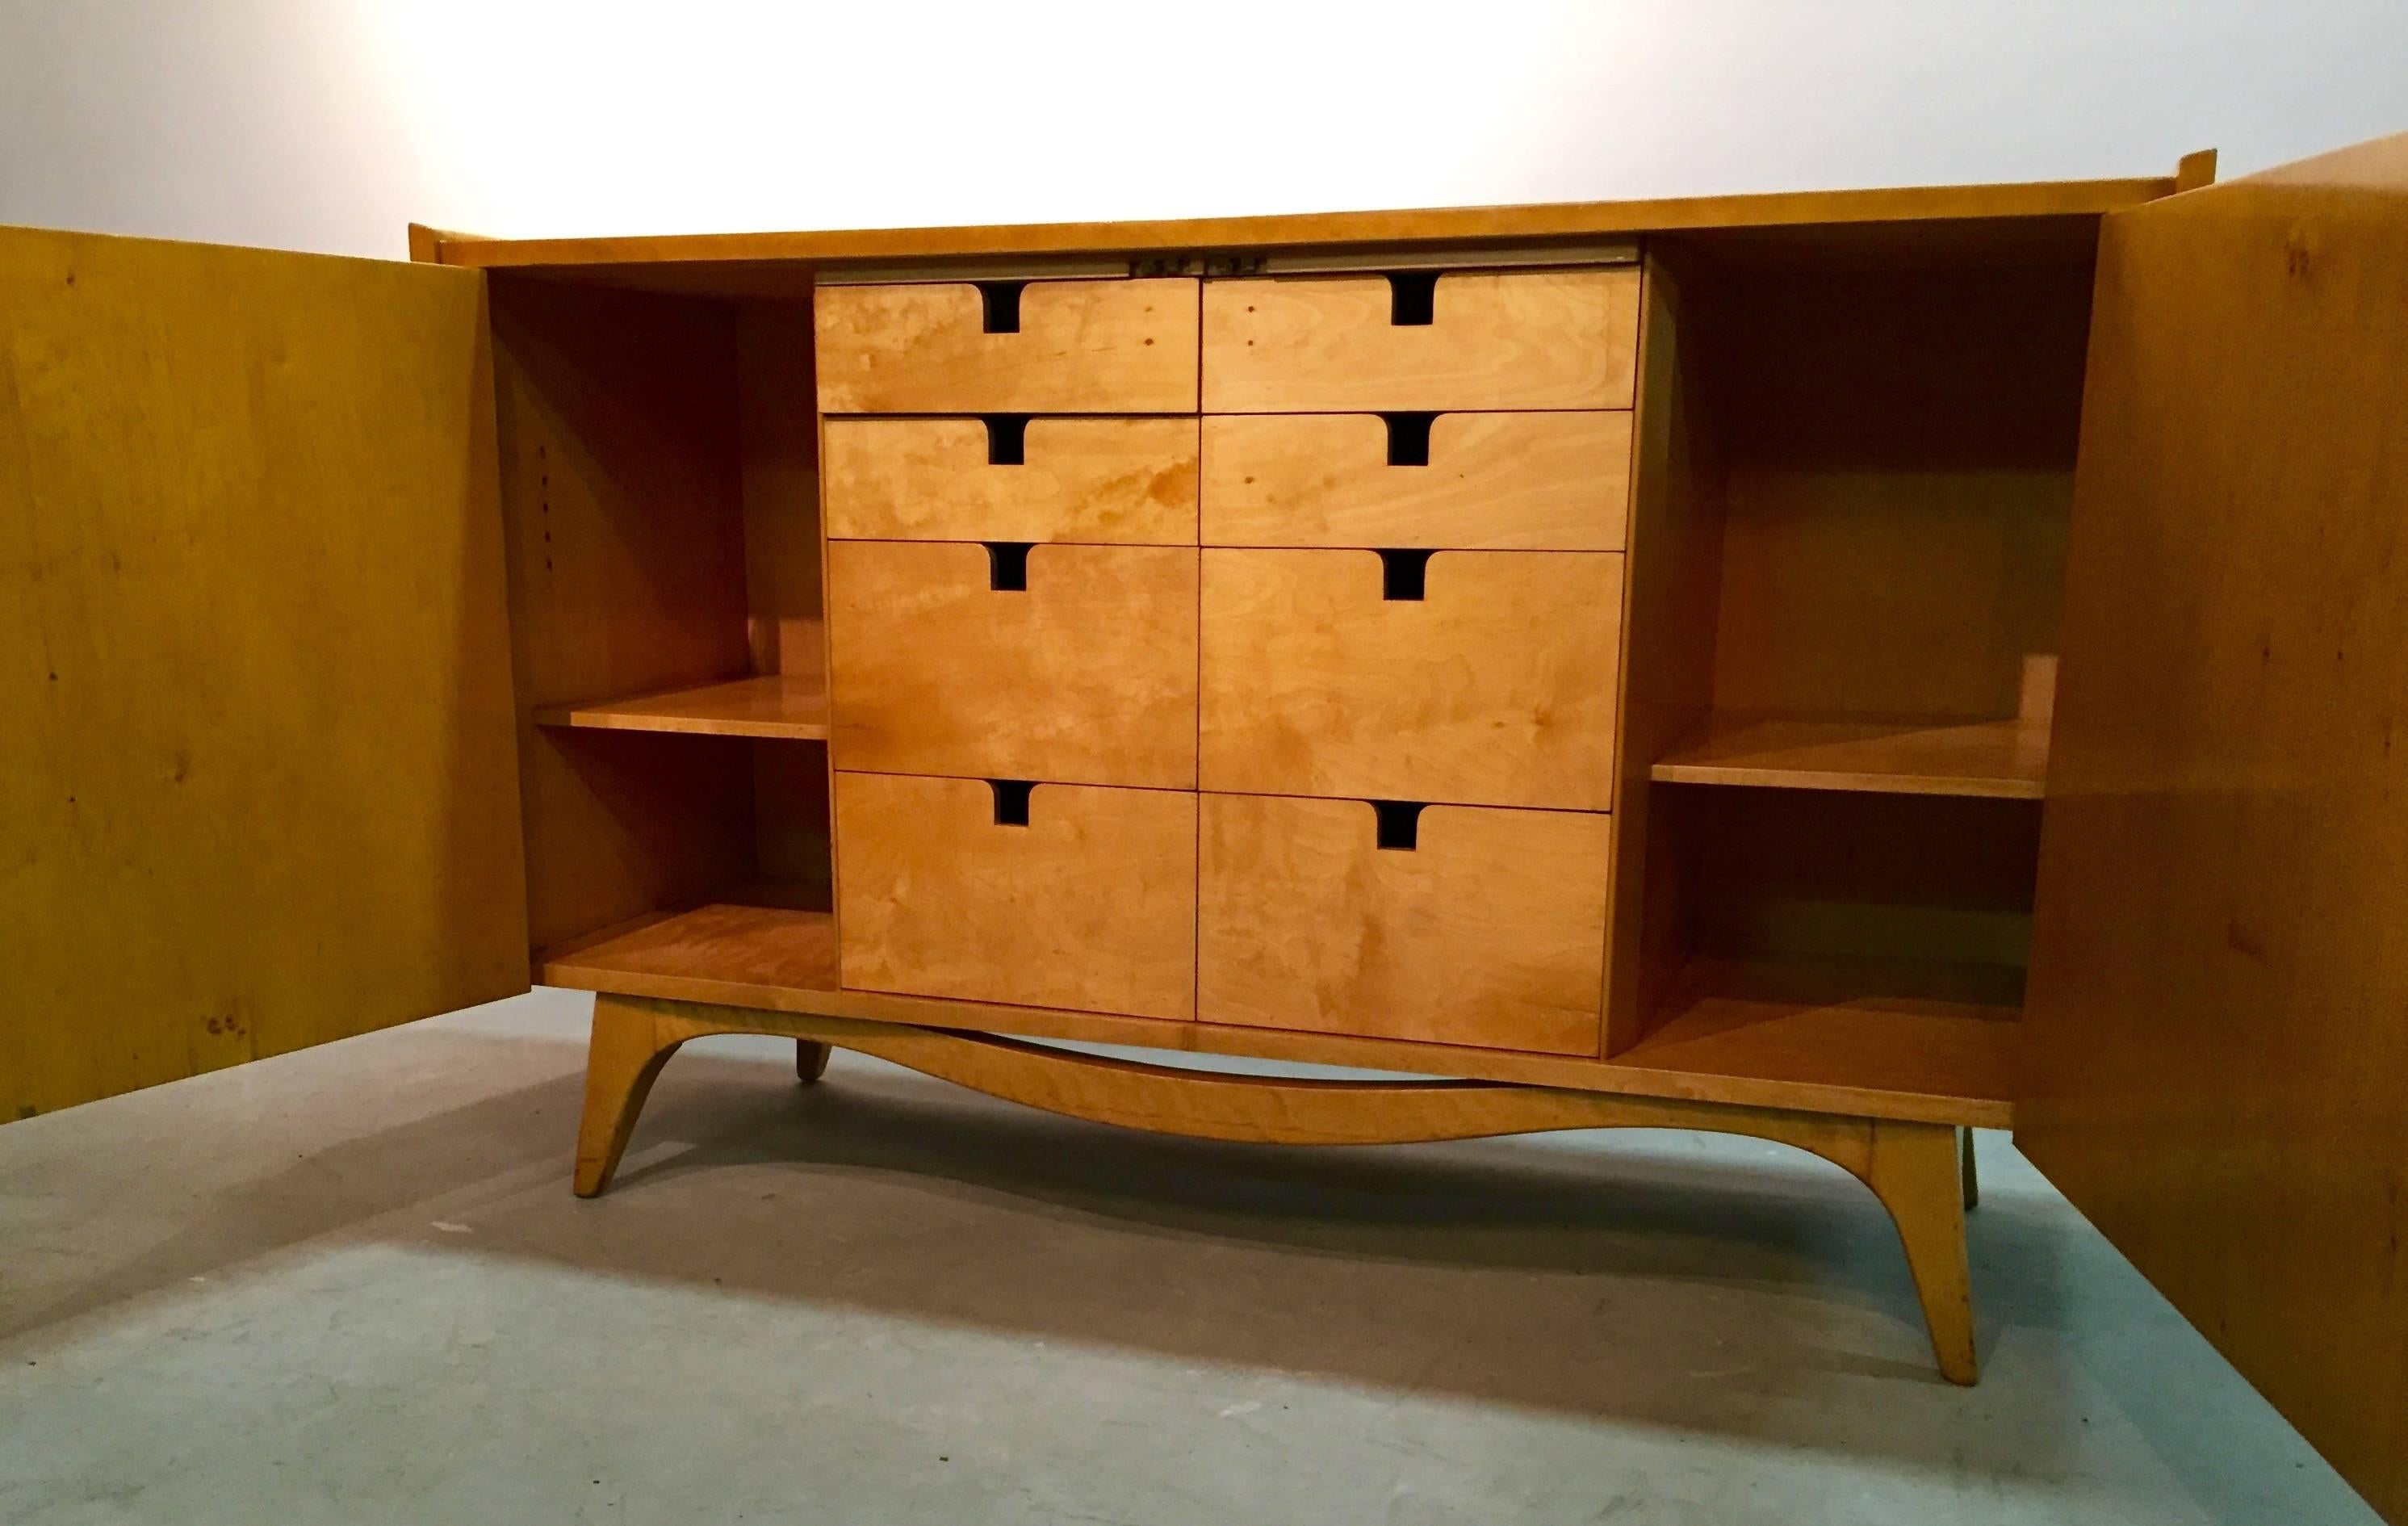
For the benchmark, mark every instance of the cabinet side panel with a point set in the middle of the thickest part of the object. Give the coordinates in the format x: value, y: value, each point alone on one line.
x: 1673, y: 573
x: 622, y: 494
x: 256, y: 780
x: 784, y: 578
x: 2217, y: 1032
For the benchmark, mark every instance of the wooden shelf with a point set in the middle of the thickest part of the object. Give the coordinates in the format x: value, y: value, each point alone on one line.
x: 747, y: 941
x: 1828, y: 1026
x: 785, y: 707
x: 1738, y: 1039
x: 1998, y: 759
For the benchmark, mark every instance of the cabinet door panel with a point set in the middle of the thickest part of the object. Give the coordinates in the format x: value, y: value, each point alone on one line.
x: 2218, y: 1025
x: 258, y: 782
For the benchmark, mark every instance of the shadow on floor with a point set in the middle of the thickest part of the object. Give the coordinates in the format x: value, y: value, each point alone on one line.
x: 1633, y: 1275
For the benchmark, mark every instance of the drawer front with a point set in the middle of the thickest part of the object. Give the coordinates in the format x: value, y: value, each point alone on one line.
x: 1081, y: 347
x: 1085, y: 675
x: 1496, y: 687
x: 1511, y: 339
x: 1130, y: 480
x: 1090, y: 905
x: 1523, y: 482
x: 1488, y: 931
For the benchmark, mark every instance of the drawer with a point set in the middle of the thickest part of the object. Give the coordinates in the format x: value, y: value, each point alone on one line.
x: 1097, y: 480
x: 1060, y: 895
x: 1496, y: 686
x: 1070, y: 347
x: 1488, y: 929
x: 1525, y: 482
x: 1487, y: 339
x: 1085, y: 674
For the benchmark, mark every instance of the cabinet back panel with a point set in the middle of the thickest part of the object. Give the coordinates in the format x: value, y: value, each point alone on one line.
x: 1918, y: 896
x: 621, y: 500
x: 1900, y: 447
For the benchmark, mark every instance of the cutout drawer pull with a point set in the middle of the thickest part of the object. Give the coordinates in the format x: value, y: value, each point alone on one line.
x: 1404, y: 574
x: 1000, y: 300
x: 1007, y: 439
x: 1412, y: 297
x: 1007, y: 566
x: 1400, y: 823
x: 1408, y: 438
x: 1012, y: 800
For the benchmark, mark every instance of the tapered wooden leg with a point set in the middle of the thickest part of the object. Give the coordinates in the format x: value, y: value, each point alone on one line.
x: 1973, y: 1182
x: 621, y: 1060
x: 1916, y: 1171
x: 811, y: 1060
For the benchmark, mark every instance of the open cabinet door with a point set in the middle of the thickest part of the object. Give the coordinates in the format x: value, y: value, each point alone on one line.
x: 257, y: 774
x: 2217, y: 1032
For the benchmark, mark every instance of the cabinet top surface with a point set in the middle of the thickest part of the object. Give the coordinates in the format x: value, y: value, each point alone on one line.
x: 1564, y: 221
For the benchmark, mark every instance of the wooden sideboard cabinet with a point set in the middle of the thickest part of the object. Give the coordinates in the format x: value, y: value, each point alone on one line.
x: 1845, y: 669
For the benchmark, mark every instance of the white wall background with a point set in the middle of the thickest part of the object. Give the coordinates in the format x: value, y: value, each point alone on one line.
x: 328, y: 124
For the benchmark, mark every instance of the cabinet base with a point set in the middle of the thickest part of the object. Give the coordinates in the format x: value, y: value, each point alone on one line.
x: 1915, y: 1169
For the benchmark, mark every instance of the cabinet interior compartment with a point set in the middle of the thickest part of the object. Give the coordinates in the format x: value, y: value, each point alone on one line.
x: 1845, y: 939
x: 1895, y: 422
x: 659, y: 466
x: 1849, y: 538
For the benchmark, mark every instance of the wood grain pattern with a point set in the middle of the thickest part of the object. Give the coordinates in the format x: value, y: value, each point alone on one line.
x: 1508, y: 340
x: 2219, y: 1069
x: 2003, y: 760
x: 256, y: 774
x: 778, y: 959
x: 1912, y: 1169
x: 1497, y: 689
x: 1083, y: 347
x: 1086, y: 676
x: 1497, y: 481
x: 1090, y: 905
x: 2007, y: 205
x: 778, y: 706
x: 1115, y: 480
x: 1490, y: 931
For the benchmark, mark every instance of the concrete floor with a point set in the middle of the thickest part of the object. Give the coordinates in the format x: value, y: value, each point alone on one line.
x: 351, y: 1286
